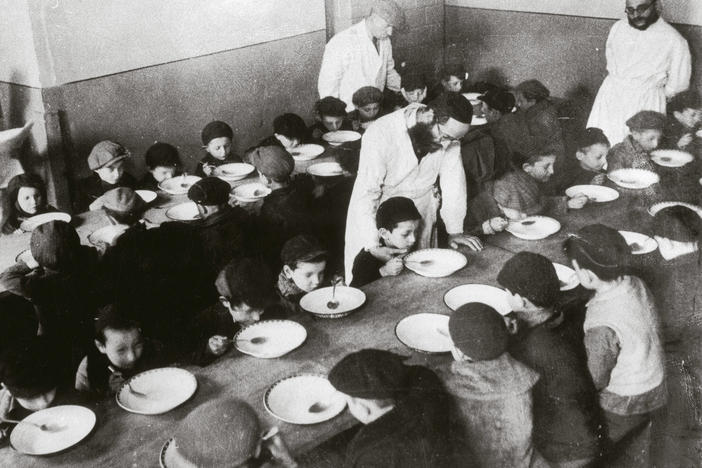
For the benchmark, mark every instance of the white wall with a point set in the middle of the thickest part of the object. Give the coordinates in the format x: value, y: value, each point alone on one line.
x: 18, y: 61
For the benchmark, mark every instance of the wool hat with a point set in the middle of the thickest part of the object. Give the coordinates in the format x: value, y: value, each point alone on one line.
x: 161, y: 155
x: 591, y: 136
x: 533, y: 90
x: 219, y: 433
x: 122, y: 200
x: 532, y: 276
x: 646, y: 120
x: 390, y: 12
x: 106, y: 153
x: 678, y: 223
x: 273, y: 162
x: 210, y: 191
x: 55, y: 245
x: 367, y: 95
x: 689, y: 99
x: 454, y: 106
x: 499, y: 99
x: 478, y: 331
x: 395, y: 210
x: 330, y: 106
x: 216, y: 129
x: 301, y: 249
x: 370, y: 374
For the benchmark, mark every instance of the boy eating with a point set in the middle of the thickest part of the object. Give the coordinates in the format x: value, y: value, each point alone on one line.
x: 304, y: 264
x: 217, y: 142
x: 367, y: 101
x: 289, y: 131
x: 684, y: 118
x: 414, y: 89
x: 162, y: 162
x: 330, y: 116
x: 397, y: 220
x: 106, y: 160
x: 645, y: 131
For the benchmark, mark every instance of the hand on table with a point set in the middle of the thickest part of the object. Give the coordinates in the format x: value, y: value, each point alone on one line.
x: 115, y: 381
x: 472, y: 242
x: 577, y: 202
x: 498, y: 223
x: 386, y: 254
x: 392, y: 268
x: 218, y: 344
x: 685, y: 140
x: 599, y: 179
x: 280, y: 451
x: 208, y: 169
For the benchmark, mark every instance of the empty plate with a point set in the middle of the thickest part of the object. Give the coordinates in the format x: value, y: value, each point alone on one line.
x: 178, y: 185
x: 325, y: 169
x: 427, y: 333
x: 633, y: 178
x: 671, y: 158
x: 183, y: 212
x: 655, y: 208
x: 435, y: 263
x: 107, y: 235
x: 156, y: 391
x: 533, y: 227
x: 483, y: 293
x: 639, y: 243
x: 594, y: 193
x: 25, y: 257
x: 566, y: 277
x: 66, y: 426
x: 306, y: 152
x: 303, y: 399
x: 233, y: 171
x: 147, y: 195
x: 29, y: 224
x: 318, y: 301
x: 249, y: 193
x: 270, y: 338
x: 340, y: 137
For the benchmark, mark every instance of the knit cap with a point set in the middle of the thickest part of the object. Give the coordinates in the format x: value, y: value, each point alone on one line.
x: 478, y: 331
x: 210, y: 191
x: 106, y: 153
x: 499, y: 99
x: 532, y: 276
x: 367, y: 95
x: 161, y: 155
x: 678, y: 223
x: 533, y: 90
x: 301, y: 249
x: 55, y: 245
x: 370, y: 374
x: 647, y: 120
x: 273, y: 162
x: 216, y: 129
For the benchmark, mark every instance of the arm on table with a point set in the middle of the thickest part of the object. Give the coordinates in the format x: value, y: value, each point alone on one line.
x: 602, y: 347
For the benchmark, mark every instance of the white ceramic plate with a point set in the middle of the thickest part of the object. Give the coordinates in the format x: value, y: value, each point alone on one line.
x: 281, y: 337
x: 168, y: 456
x: 147, y: 195
x: 306, y: 152
x: 426, y: 333
x: 340, y: 137
x: 29, y: 224
x: 483, y: 293
x: 566, y: 277
x: 163, y: 389
x: 290, y: 399
x: 183, y: 212
x: 68, y: 424
x: 107, y: 235
x: 594, y: 193
x: 233, y: 171
x: 178, y: 185
x: 25, y: 257
x: 671, y: 158
x: 249, y: 193
x: 435, y: 263
x: 533, y: 227
x: 633, y: 178
x: 478, y: 121
x: 667, y: 204
x: 349, y: 299
x: 325, y: 169
x: 639, y: 243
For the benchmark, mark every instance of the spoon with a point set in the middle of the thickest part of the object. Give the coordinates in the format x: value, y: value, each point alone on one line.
x: 135, y: 392
x: 43, y: 427
x: 255, y: 340
x: 420, y: 262
x: 183, y: 183
x: 528, y: 222
x: 318, y: 407
x: 443, y: 332
x: 636, y: 247
x: 333, y: 304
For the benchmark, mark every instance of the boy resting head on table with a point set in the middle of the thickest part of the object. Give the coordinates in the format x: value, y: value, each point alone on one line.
x: 121, y: 204
x: 162, y: 162
x: 622, y: 337
x: 367, y: 100
x: 645, y: 132
x: 304, y: 265
x: 684, y: 118
x: 107, y: 160
x: 330, y: 116
x: 397, y: 220
x: 217, y: 139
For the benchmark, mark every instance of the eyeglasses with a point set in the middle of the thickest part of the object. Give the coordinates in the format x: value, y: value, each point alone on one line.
x: 641, y: 9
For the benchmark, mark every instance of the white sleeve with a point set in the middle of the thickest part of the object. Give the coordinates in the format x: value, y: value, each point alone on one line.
x: 452, y: 179
x: 680, y: 69
x: 392, y: 78
x: 332, y: 70
x: 609, y: 50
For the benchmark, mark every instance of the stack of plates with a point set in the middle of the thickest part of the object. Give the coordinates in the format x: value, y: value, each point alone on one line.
x: 29, y: 224
x: 270, y: 338
x: 340, y: 137
x: 435, y: 263
x: 566, y: 277
x: 533, y: 227
x: 667, y: 204
x: 639, y: 243
x: 326, y: 169
x: 233, y: 171
x: 317, y: 302
x: 183, y: 212
x: 671, y: 158
x: 66, y: 426
x: 178, y: 185
x: 490, y: 295
x: 594, y: 193
x: 249, y: 193
x: 303, y: 399
x: 426, y: 333
x: 107, y: 235
x: 306, y: 152
x: 633, y: 178
x: 156, y: 391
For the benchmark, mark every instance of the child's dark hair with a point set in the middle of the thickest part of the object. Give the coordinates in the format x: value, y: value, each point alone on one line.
x: 303, y: 248
x: 28, y: 367
x: 413, y: 82
x: 161, y: 155
x: 9, y: 208
x: 600, y: 249
x: 291, y: 126
x: 330, y: 106
x: 519, y: 159
x: 248, y: 281
x: 113, y: 317
x: 452, y: 69
x: 591, y: 136
x: 394, y: 211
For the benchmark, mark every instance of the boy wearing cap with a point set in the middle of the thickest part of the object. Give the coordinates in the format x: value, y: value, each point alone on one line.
x: 122, y: 204
x: 493, y: 390
x: 645, y: 132
x: 217, y: 142
x: 330, y: 116
x: 106, y: 160
x: 622, y: 338
x: 367, y: 102
x: 304, y: 264
x: 565, y: 399
x: 404, y: 411
x: 162, y: 162
x: 684, y: 117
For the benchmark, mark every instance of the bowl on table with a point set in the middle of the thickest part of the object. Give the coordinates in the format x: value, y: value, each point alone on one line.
x: 671, y: 157
x: 340, y: 137
x: 483, y: 293
x: 435, y: 263
x: 594, y: 193
x: 326, y: 169
x: 186, y: 211
x: 533, y: 227
x: 636, y: 179
x: 64, y: 427
x: 303, y: 399
x: 156, y: 391
x: 306, y: 152
x: 233, y: 171
x: 320, y: 303
x: 251, y: 192
x: 478, y: 120
x: 30, y: 224
x: 107, y: 235
x: 425, y: 332
x: 270, y: 339
x: 640, y: 244
x: 178, y: 185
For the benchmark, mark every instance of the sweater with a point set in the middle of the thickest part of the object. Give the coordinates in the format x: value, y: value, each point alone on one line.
x: 628, y: 154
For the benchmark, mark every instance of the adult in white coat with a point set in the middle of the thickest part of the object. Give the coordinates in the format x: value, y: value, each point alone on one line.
x: 648, y: 61
x: 391, y: 164
x: 362, y: 55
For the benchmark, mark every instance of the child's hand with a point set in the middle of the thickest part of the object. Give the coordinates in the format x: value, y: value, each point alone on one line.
x: 392, y: 267
x: 218, y: 344
x: 577, y: 202
x: 685, y: 140
x: 280, y: 451
x: 498, y: 223
x: 115, y: 381
x: 208, y: 169
x: 599, y: 179
x: 385, y: 254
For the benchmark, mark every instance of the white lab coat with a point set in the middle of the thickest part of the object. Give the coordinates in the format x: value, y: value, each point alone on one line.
x: 388, y: 168
x: 645, y: 68
x: 351, y: 62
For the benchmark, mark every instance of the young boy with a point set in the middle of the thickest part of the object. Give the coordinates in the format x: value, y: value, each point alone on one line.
x: 492, y: 389
x: 449, y: 78
x: 404, y: 411
x: 565, y: 399
x: 538, y: 128
x: 624, y: 353
x: 684, y: 118
x: 367, y: 101
x: 289, y: 131
x: 397, y: 220
x: 162, y: 162
x: 414, y: 89
x: 330, y: 116
x: 120, y: 352
x: 304, y: 264
x: 591, y: 151
x: 217, y: 142
x: 106, y: 160
x: 122, y: 204
x: 645, y: 131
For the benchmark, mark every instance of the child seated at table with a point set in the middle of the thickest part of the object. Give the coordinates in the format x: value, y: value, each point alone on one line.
x: 106, y: 160
x: 289, y: 131
x: 122, y: 205
x: 538, y: 128
x: 25, y: 197
x: 645, y: 132
x: 397, y: 220
x: 683, y: 121
x: 330, y: 116
x: 304, y: 265
x: 413, y: 88
x: 624, y: 352
x: 217, y: 139
x: 450, y: 77
x: 565, y: 399
x: 592, y: 147
x: 492, y: 389
x: 120, y: 352
x: 162, y: 162
x: 404, y: 411
x: 367, y: 101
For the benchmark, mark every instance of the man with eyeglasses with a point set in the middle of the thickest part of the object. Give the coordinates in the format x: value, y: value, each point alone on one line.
x: 648, y: 62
